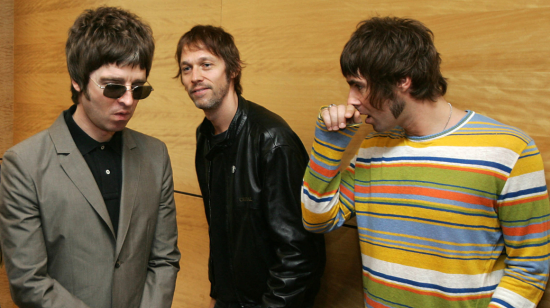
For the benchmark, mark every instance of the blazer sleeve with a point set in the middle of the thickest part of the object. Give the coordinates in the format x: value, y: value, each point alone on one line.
x: 165, y: 256
x: 22, y: 240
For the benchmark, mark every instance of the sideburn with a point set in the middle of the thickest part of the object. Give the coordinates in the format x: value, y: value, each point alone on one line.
x: 397, y: 106
x: 86, y: 93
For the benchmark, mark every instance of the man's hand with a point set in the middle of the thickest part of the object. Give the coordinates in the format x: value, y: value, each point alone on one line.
x: 212, y: 303
x: 339, y: 116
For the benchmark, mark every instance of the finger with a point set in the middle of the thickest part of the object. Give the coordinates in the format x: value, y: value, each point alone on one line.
x: 350, y: 112
x: 325, y: 114
x: 333, y: 118
x: 342, y: 118
x: 353, y: 115
x: 357, y: 117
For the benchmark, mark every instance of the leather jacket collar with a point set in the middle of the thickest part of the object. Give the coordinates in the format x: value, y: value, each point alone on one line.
x: 237, y: 124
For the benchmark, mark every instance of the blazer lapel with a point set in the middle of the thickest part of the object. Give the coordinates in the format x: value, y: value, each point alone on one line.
x: 131, y: 168
x: 77, y: 169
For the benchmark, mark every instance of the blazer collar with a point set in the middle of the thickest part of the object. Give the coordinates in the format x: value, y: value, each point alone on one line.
x: 77, y: 169
x: 131, y: 171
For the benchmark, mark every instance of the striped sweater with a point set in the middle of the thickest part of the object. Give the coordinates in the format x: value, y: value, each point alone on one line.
x: 457, y: 219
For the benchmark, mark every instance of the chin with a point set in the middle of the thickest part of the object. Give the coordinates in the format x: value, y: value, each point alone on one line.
x: 380, y: 129
x: 207, y: 105
x: 117, y: 127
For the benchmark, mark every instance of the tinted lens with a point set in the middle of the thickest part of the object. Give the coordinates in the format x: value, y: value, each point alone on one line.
x: 141, y: 92
x: 114, y: 90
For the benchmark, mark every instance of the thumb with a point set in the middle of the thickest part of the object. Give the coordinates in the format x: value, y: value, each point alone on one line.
x: 356, y: 116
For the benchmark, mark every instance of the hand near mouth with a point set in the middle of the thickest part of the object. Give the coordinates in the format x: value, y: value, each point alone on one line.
x: 339, y: 116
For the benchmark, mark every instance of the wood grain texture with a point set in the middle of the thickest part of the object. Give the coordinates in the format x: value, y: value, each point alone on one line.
x: 6, y: 74
x: 495, y: 56
x: 342, y: 284
x: 192, y: 286
x: 5, y: 296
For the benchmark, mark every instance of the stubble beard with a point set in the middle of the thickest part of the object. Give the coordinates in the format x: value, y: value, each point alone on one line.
x: 215, y: 100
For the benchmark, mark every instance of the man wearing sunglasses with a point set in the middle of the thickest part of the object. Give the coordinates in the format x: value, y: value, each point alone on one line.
x: 87, y: 214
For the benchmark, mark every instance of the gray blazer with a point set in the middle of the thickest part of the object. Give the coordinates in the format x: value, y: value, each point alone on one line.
x: 57, y: 238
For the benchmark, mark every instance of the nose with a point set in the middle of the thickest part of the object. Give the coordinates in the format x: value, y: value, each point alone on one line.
x: 127, y: 98
x: 354, y: 98
x: 196, y: 75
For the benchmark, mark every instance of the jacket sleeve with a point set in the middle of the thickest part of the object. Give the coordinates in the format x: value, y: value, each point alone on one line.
x: 164, y: 258
x: 328, y: 195
x: 22, y: 241
x: 524, y: 212
x: 300, y: 254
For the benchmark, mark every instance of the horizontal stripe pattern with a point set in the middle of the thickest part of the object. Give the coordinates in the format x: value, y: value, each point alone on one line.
x: 457, y: 219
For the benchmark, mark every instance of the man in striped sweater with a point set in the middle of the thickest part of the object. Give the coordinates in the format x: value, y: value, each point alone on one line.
x: 452, y: 206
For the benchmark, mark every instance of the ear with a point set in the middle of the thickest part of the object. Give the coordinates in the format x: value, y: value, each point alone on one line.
x: 75, y: 85
x: 404, y: 84
x: 234, y: 74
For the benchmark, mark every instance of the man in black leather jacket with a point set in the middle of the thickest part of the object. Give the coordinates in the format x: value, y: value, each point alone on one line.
x: 250, y: 166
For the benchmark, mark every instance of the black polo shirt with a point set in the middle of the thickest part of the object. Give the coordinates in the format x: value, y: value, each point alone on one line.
x: 105, y: 162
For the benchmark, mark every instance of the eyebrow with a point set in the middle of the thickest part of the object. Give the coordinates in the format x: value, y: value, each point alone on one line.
x: 119, y: 80
x: 201, y: 59
x: 353, y: 82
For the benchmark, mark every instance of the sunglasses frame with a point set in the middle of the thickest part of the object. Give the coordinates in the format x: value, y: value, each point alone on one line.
x: 132, y: 88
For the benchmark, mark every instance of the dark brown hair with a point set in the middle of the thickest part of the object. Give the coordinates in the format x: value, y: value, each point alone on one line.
x: 107, y: 35
x: 219, y: 43
x: 386, y: 50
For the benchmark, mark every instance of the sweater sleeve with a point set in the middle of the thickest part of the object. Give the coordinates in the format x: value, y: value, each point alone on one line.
x: 524, y: 212
x: 328, y: 195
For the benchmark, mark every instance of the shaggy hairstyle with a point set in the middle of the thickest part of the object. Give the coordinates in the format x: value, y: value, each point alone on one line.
x: 107, y: 35
x: 217, y: 42
x: 386, y: 50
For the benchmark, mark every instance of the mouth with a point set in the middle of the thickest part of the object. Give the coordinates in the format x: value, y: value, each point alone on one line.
x: 122, y: 115
x: 199, y: 90
x: 368, y: 119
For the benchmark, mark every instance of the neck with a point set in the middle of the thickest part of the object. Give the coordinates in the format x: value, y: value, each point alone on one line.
x: 428, y: 117
x: 222, y: 116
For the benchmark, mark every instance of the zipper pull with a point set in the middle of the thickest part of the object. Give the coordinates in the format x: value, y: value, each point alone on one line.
x: 233, y: 169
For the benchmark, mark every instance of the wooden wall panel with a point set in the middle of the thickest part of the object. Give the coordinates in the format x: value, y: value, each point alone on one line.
x: 5, y: 296
x: 192, y: 286
x: 495, y: 56
x: 6, y: 75
x: 6, y: 107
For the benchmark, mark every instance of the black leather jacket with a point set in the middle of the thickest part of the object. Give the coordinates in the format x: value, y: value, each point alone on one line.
x: 275, y: 261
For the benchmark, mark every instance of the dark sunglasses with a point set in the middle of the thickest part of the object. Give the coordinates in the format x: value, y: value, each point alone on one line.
x: 117, y: 90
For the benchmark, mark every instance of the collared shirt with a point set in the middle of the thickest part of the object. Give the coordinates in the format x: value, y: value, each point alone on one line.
x: 105, y: 162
